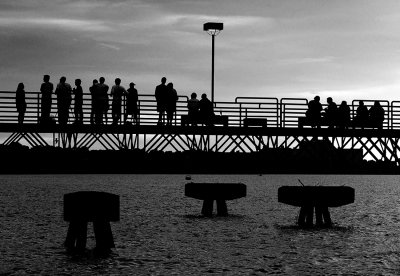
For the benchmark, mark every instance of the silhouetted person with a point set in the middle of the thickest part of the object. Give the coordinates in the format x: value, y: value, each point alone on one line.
x: 193, y: 108
x: 131, y: 103
x: 377, y: 115
x: 20, y: 102
x: 78, y: 102
x: 330, y: 113
x: 161, y: 94
x: 171, y: 99
x: 343, y: 116
x: 362, y: 115
x: 206, y: 110
x: 117, y: 92
x: 63, y: 92
x: 313, y: 113
x: 102, y: 90
x: 46, y: 89
x: 95, y: 101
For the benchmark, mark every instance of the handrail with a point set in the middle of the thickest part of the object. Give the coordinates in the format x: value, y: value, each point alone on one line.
x: 282, y: 112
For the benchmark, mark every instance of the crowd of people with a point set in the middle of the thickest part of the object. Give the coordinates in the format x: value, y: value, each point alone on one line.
x: 99, y: 101
x: 339, y: 117
x: 199, y: 111
x: 165, y: 94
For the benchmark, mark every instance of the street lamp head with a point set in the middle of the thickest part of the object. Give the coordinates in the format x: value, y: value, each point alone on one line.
x: 213, y: 28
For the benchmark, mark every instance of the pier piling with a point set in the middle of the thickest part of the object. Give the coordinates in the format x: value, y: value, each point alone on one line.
x: 80, y: 208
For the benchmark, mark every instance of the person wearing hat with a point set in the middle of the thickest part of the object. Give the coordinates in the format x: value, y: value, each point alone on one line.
x: 131, y: 104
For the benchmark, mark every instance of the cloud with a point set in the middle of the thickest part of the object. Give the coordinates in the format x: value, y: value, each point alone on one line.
x: 307, y: 60
x: 63, y: 23
x: 110, y: 46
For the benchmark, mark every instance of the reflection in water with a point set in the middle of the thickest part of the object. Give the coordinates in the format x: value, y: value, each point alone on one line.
x: 162, y: 232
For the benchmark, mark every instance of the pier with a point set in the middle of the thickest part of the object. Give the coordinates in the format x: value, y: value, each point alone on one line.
x: 254, y: 124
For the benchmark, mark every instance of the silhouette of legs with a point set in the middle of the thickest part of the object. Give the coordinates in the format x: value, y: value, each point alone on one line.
x: 222, y: 210
x: 322, y: 216
x: 103, y: 235
x: 306, y: 216
x: 76, y: 236
x: 207, y: 207
x: 327, y: 216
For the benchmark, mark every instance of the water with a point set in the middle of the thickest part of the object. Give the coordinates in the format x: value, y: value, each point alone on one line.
x: 162, y: 233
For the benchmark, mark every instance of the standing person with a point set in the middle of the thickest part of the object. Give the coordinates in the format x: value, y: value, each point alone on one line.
x: 46, y: 89
x: 206, y: 112
x: 193, y: 108
x: 171, y: 99
x: 20, y: 102
x: 63, y: 92
x: 95, y: 104
x: 131, y: 103
x: 102, y: 92
x: 313, y: 114
x: 78, y: 102
x: 160, y: 93
x: 117, y: 91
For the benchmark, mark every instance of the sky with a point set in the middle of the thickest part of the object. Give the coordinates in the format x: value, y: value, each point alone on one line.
x: 346, y: 49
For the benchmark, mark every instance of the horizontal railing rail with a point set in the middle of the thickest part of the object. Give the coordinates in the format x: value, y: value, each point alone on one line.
x: 284, y: 112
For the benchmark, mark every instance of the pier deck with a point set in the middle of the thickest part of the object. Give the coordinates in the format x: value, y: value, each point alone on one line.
x: 282, y: 129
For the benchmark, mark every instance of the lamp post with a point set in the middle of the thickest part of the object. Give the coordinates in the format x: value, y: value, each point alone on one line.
x: 213, y: 29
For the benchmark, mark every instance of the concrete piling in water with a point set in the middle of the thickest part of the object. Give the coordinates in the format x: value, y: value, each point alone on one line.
x: 319, y: 198
x: 80, y: 208
x: 219, y: 192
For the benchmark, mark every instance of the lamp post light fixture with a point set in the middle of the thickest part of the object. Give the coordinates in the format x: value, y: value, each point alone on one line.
x: 213, y: 29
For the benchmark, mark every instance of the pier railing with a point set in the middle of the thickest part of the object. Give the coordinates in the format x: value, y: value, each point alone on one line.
x: 282, y: 112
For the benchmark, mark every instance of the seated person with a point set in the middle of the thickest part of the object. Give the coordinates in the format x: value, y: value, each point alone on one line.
x: 330, y: 115
x: 362, y: 115
x: 343, y: 115
x: 313, y: 114
x: 206, y: 112
x: 376, y: 115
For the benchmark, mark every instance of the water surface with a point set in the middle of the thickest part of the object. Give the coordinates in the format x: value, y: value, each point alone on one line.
x: 161, y: 232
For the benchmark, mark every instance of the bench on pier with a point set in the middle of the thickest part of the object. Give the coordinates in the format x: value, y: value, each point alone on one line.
x: 319, y: 198
x: 215, y: 120
x: 262, y: 122
x: 368, y: 124
x: 89, y: 206
x: 304, y: 121
x: 220, y: 192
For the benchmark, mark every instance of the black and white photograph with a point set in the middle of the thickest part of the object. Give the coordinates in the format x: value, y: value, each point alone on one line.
x: 199, y: 137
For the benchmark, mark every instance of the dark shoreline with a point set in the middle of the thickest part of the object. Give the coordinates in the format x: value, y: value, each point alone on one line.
x: 17, y: 159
